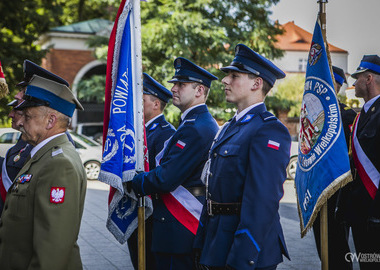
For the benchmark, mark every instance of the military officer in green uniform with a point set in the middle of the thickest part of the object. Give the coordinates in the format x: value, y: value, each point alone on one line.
x: 43, y: 209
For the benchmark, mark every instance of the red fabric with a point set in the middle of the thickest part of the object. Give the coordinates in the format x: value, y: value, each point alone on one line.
x: 108, y: 89
x: 180, y: 212
x: 3, y: 192
x: 367, y: 182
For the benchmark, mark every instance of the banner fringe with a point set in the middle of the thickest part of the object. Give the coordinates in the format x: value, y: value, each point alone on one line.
x: 330, y: 190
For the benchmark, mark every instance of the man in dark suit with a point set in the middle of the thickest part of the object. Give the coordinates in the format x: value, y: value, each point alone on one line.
x: 363, y: 203
x: 240, y: 224
x: 176, y: 187
x: 158, y: 130
x: 44, y: 204
x: 16, y: 155
x: 338, y: 231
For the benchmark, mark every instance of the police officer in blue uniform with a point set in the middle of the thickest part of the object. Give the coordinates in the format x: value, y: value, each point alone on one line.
x: 363, y: 202
x: 16, y: 156
x: 179, y: 173
x: 240, y: 224
x: 338, y: 231
x: 158, y: 130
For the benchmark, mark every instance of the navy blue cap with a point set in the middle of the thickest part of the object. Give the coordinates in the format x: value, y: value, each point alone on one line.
x: 31, y: 69
x: 44, y: 92
x: 187, y: 71
x: 339, y: 75
x: 370, y: 63
x: 153, y: 87
x: 249, y: 61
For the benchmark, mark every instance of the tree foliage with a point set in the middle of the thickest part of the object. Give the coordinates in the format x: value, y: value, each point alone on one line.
x: 24, y: 21
x: 204, y: 31
x: 287, y: 95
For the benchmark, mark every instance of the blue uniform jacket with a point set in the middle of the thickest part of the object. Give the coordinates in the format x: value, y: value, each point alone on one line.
x: 157, y: 133
x: 245, y: 168
x: 182, y: 164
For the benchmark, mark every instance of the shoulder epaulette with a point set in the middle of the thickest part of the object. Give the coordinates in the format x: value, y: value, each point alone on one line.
x: 267, y: 116
x: 56, y: 151
x: 189, y: 121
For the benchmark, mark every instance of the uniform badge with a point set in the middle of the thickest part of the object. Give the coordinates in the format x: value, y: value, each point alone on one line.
x: 247, y: 118
x: 274, y: 145
x: 57, y: 195
x: 180, y: 144
x: 154, y: 126
x: 23, y: 178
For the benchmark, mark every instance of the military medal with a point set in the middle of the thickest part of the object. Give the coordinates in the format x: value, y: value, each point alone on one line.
x: 18, y: 156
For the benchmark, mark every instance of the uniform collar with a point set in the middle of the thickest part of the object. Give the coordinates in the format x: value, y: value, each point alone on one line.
x: 41, y: 144
x: 183, y: 116
x: 239, y: 115
x: 369, y: 103
x: 152, y: 120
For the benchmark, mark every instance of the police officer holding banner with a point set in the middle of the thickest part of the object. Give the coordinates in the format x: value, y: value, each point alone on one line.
x: 176, y: 187
x: 158, y: 130
x: 240, y: 224
x: 363, y: 203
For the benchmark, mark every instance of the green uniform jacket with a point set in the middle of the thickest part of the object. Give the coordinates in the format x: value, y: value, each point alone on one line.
x: 43, y: 210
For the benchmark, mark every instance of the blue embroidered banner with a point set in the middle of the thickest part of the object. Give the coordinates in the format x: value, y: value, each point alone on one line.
x: 323, y: 164
x: 121, y: 145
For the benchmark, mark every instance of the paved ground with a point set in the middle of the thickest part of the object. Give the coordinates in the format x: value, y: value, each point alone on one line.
x: 100, y: 251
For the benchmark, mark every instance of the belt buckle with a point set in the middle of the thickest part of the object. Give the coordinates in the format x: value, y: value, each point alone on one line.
x: 209, y: 208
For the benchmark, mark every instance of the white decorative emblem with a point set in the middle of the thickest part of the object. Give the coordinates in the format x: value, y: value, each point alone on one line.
x: 57, y: 195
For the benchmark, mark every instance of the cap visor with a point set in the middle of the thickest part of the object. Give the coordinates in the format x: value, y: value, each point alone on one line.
x: 174, y: 80
x: 233, y: 68
x: 22, y: 84
x: 355, y: 74
x: 26, y: 104
x: 12, y: 103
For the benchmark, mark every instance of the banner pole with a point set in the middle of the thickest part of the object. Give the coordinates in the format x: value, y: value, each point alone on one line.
x: 323, y: 211
x: 141, y: 234
x: 139, y: 127
x: 324, y: 238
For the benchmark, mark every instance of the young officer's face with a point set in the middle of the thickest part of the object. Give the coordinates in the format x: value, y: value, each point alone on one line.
x: 237, y: 87
x: 183, y: 95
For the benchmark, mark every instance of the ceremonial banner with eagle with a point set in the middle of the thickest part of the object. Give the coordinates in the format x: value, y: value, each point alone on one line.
x: 323, y: 163
x: 124, y: 149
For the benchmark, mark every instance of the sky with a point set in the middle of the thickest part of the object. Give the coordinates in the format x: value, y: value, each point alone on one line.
x: 352, y: 25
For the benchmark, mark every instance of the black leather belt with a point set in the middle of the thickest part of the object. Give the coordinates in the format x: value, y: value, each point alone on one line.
x: 214, y: 208
x: 197, y: 191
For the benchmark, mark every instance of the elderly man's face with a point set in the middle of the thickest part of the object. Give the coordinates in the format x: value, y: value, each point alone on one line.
x: 16, y: 117
x: 33, y: 125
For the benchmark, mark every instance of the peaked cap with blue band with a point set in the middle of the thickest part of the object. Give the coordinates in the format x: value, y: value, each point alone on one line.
x: 368, y: 63
x: 152, y: 87
x: 187, y: 71
x: 31, y: 69
x: 339, y: 75
x: 249, y: 61
x: 44, y: 92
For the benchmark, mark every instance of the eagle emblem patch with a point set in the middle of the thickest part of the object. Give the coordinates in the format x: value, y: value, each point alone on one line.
x: 57, y: 195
